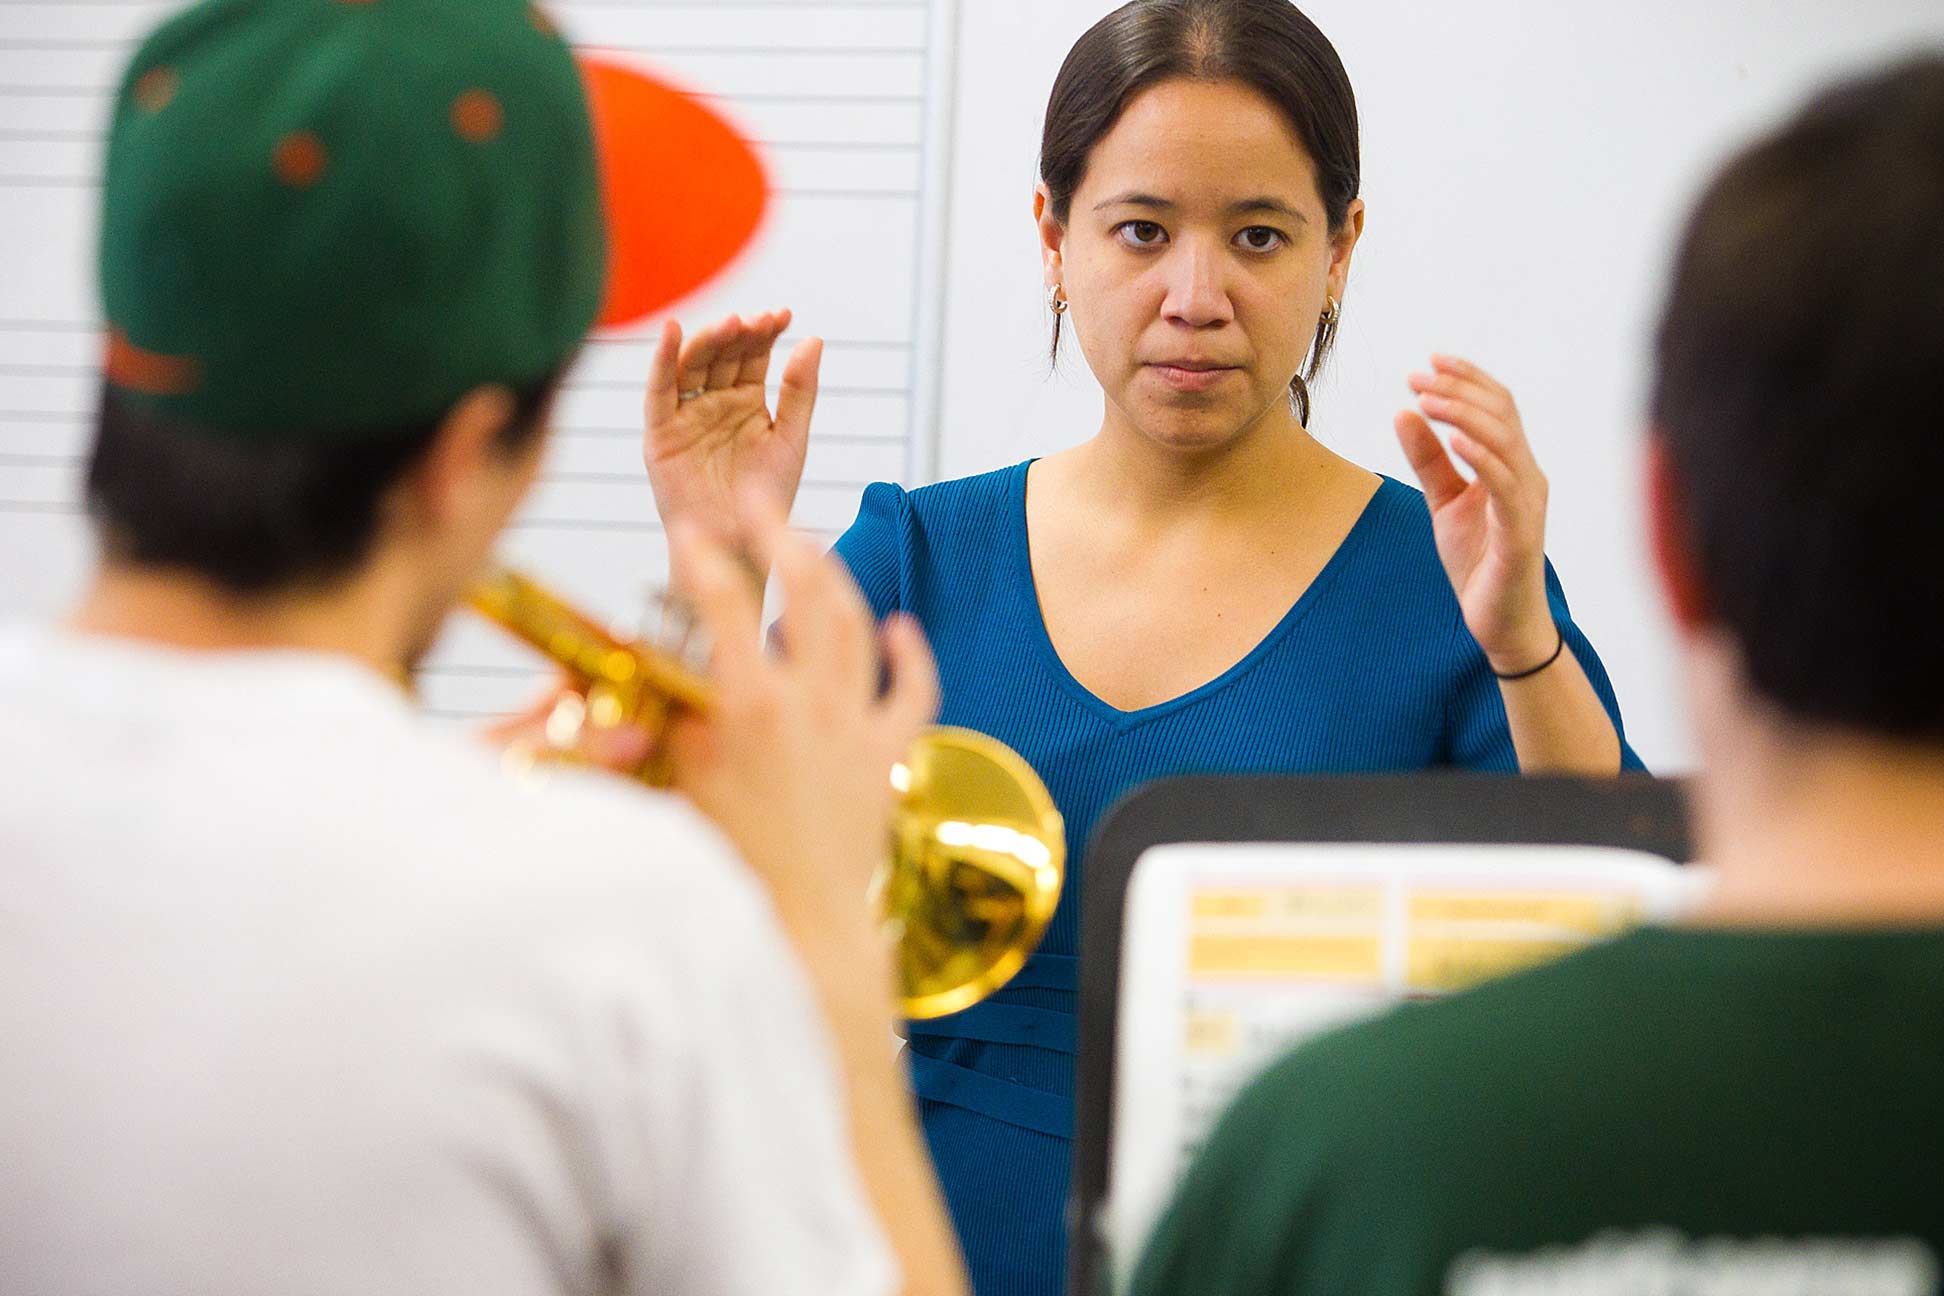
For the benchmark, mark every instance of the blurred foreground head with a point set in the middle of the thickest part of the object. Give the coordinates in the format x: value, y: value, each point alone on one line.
x: 1798, y: 408
x: 324, y: 223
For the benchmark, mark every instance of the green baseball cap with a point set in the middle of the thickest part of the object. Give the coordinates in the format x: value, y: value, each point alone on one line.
x: 328, y: 218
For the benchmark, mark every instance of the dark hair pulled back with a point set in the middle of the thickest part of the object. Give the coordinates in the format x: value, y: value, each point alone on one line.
x: 1267, y: 45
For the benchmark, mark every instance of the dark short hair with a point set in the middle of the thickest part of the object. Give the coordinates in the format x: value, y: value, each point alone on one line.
x: 1267, y: 45
x: 256, y: 516
x: 1799, y: 396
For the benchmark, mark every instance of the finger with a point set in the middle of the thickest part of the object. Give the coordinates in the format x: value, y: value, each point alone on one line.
x: 1440, y: 477
x: 664, y: 394
x: 1459, y: 367
x: 762, y: 345
x: 1483, y: 425
x: 1506, y: 439
x: 728, y: 608
x: 1497, y: 400
x: 509, y: 729
x: 700, y: 355
x: 728, y: 361
x: 622, y: 748
x: 911, y: 699
x: 1501, y: 483
x: 798, y: 399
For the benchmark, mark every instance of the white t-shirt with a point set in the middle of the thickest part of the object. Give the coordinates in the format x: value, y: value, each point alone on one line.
x: 299, y: 995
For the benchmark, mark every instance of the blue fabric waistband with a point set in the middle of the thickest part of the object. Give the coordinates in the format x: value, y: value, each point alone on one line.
x: 1034, y: 1109
x: 1003, y: 1023
x: 1047, y: 972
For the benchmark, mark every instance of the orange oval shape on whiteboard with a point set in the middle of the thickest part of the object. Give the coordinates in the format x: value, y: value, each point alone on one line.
x: 684, y: 193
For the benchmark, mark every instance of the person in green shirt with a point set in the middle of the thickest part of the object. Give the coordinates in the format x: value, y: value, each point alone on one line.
x: 1753, y: 1101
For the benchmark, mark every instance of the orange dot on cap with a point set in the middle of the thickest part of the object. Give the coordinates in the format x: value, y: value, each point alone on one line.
x: 154, y: 88
x: 299, y: 160
x: 476, y: 116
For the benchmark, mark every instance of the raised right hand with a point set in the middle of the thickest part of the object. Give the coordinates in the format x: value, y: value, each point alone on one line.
x: 709, y: 433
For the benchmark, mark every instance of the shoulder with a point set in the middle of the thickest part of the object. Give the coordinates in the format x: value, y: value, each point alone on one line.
x: 982, y: 493
x: 1396, y: 529
x: 900, y: 534
x: 938, y: 507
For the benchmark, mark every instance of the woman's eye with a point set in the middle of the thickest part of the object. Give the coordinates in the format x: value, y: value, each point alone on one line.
x: 1260, y: 238
x: 1141, y: 233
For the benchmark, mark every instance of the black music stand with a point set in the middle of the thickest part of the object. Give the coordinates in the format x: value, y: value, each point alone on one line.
x: 1630, y: 812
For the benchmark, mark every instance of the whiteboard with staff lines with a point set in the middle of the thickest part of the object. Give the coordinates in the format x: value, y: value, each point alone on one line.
x: 849, y: 105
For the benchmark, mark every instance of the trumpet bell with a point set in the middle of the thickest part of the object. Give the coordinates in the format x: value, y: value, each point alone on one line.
x: 978, y: 856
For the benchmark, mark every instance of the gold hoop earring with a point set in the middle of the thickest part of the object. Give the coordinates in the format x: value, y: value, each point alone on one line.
x: 1056, y: 299
x: 1332, y: 312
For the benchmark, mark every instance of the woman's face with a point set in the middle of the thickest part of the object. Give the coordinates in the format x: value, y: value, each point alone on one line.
x: 1196, y: 259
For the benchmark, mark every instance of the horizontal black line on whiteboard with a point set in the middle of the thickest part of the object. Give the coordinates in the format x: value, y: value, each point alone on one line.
x: 482, y: 672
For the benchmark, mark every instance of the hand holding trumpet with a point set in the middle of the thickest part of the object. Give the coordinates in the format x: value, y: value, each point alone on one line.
x: 791, y: 758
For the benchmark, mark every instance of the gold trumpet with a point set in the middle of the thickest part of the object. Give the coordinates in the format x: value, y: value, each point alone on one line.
x: 978, y: 850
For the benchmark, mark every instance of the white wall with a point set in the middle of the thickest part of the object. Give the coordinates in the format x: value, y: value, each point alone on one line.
x: 1525, y: 164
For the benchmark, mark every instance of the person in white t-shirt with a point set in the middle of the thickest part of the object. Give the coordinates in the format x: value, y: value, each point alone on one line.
x: 299, y: 994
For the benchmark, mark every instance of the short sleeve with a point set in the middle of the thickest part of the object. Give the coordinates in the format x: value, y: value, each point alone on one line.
x: 748, y: 1181
x: 874, y: 546
x: 1478, y: 735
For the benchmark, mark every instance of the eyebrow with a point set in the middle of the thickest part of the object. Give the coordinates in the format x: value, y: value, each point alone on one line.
x: 1260, y: 203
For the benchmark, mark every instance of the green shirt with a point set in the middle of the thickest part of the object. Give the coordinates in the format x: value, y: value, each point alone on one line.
x: 1673, y: 1105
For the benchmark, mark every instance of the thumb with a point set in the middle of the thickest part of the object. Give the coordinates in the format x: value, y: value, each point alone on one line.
x: 1429, y: 460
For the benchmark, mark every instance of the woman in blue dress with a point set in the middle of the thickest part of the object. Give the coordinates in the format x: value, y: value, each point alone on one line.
x: 1201, y: 586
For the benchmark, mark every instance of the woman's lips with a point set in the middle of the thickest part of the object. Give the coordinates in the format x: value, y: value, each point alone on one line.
x: 1199, y: 378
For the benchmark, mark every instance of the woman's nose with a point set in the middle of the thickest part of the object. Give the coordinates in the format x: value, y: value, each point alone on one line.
x: 1197, y: 294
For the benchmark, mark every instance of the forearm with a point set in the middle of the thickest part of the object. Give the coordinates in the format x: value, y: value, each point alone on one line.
x: 890, y: 1150
x: 1558, y: 724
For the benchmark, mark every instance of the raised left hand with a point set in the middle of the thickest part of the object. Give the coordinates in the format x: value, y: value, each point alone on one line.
x: 1491, y: 531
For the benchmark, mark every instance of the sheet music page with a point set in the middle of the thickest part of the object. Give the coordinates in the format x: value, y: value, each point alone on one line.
x: 848, y: 105
x: 1233, y: 954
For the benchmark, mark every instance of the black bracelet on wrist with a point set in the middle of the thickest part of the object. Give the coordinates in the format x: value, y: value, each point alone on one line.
x: 1528, y: 674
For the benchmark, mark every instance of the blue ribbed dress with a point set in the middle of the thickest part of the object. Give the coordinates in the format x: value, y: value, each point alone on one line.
x: 1371, y: 669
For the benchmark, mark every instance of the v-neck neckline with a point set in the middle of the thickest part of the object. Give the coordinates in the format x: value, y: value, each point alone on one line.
x: 1033, y: 614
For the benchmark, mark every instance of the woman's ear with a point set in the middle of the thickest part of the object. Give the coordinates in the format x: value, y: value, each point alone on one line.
x: 1343, y: 243
x: 1052, y: 235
